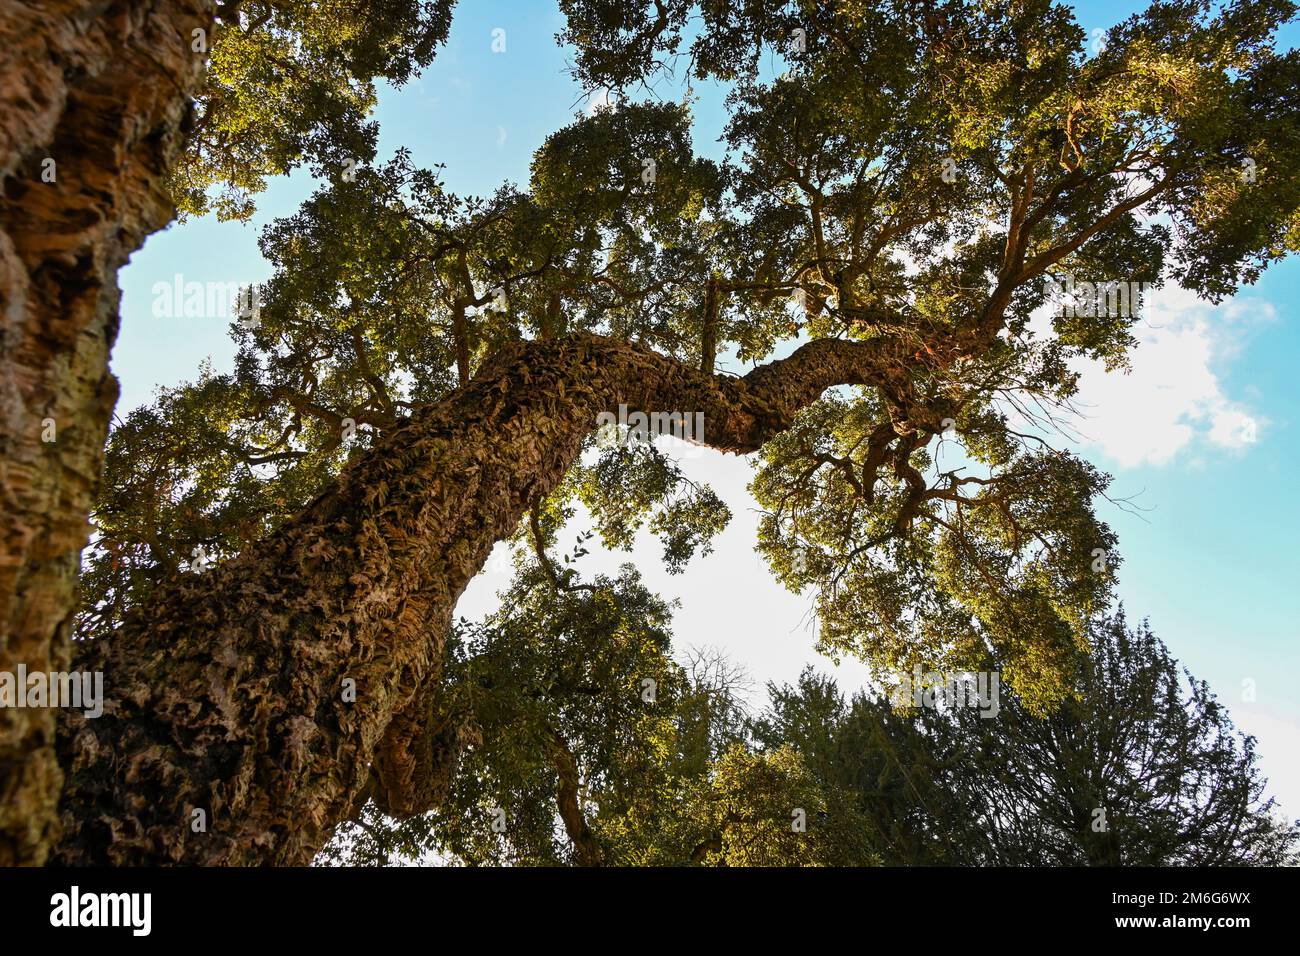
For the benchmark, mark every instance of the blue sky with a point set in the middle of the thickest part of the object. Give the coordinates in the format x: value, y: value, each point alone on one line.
x: 1205, y: 431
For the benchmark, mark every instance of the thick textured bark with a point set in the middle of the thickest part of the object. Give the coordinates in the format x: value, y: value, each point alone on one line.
x: 93, y: 96
x: 226, y: 693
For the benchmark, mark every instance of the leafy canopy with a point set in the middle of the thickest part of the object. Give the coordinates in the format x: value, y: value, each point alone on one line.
x: 293, y: 81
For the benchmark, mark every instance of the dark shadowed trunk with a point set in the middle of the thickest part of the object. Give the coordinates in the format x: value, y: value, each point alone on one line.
x: 225, y: 694
x: 93, y: 96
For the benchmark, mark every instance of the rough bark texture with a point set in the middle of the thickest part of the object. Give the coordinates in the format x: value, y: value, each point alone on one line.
x: 225, y: 693
x: 102, y: 89
x: 568, y: 801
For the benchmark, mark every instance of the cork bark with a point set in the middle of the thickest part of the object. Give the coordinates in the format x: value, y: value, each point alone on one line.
x: 93, y: 98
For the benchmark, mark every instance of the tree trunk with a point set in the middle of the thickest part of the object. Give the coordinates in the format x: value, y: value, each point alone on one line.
x: 709, y: 328
x: 93, y: 96
x: 226, y: 694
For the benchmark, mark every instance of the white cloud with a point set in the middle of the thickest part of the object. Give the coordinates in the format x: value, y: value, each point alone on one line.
x: 600, y: 100
x: 1276, y: 736
x: 1172, y: 400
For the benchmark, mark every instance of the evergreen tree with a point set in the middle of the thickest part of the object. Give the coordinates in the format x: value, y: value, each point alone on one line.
x: 1140, y: 766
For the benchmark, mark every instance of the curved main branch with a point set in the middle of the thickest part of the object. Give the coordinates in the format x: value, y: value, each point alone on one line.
x: 228, y: 692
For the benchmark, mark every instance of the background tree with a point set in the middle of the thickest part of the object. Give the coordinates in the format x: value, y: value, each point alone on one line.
x: 907, y: 784
x: 1141, y: 766
x: 913, y: 179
